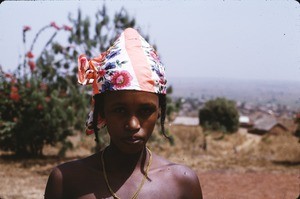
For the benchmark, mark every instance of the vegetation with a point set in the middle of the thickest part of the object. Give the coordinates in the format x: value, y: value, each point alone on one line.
x: 219, y: 114
x: 41, y: 103
x: 171, y: 105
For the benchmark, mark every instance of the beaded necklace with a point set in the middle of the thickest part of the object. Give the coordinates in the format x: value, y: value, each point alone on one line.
x: 140, y: 186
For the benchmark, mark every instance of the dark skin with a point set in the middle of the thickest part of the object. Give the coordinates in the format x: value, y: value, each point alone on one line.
x: 130, y: 117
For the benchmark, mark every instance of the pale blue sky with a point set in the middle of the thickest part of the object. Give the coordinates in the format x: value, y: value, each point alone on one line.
x: 251, y: 39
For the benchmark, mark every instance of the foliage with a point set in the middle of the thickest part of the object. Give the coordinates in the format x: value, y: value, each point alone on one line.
x: 219, y: 114
x: 41, y: 103
x: 171, y: 106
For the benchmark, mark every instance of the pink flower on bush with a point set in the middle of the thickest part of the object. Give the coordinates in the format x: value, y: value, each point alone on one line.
x: 47, y: 99
x: 67, y: 28
x: 14, y: 89
x: 28, y: 85
x: 7, y: 75
x: 13, y: 81
x: 40, y: 107
x: 31, y: 65
x: 29, y: 54
x: 11, y: 77
x: 26, y: 28
x: 14, y: 95
x: 121, y: 79
x: 43, y: 86
x: 53, y: 24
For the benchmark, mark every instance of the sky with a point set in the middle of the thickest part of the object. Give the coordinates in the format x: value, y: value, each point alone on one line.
x: 246, y: 39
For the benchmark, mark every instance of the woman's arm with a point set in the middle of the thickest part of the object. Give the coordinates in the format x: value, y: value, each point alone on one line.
x: 189, y: 183
x: 54, y: 185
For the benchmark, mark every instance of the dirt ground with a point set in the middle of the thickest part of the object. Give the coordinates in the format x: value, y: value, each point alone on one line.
x: 232, y: 167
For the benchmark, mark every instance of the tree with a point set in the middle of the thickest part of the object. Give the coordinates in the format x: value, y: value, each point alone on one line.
x: 219, y: 114
x: 41, y: 103
x: 171, y: 106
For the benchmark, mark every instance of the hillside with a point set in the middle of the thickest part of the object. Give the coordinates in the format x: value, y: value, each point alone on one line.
x: 255, y: 92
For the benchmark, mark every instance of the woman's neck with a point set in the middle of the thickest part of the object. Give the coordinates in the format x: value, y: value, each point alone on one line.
x: 117, y: 161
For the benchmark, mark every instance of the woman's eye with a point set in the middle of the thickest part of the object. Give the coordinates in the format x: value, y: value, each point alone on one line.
x: 147, y: 110
x: 119, y: 110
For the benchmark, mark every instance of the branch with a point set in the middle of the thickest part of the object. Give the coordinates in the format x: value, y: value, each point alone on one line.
x: 37, y: 35
x: 50, y: 40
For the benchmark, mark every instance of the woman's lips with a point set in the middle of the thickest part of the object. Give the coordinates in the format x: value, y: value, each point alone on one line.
x: 132, y: 140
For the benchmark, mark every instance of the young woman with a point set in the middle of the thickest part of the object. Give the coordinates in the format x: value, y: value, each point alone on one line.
x: 129, y: 88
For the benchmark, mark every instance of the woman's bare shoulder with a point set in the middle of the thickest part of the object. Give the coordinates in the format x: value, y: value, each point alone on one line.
x: 160, y: 163
x: 183, y: 177
x: 66, y: 173
x: 88, y: 162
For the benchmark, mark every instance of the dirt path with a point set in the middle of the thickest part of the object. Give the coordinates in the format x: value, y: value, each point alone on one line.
x: 27, y: 179
x: 252, y: 140
x: 254, y: 185
x: 18, y: 182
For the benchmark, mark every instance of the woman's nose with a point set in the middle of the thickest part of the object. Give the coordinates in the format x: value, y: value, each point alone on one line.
x: 133, y: 123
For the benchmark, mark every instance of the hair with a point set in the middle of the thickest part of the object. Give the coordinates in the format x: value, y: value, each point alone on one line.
x: 99, y: 110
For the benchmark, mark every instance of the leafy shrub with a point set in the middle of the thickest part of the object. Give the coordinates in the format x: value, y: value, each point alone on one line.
x: 38, y: 103
x: 219, y: 114
x: 297, y: 121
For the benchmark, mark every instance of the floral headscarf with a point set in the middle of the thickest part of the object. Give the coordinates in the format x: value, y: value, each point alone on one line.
x: 131, y: 63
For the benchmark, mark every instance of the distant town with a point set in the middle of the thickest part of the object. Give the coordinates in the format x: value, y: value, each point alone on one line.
x: 263, y: 106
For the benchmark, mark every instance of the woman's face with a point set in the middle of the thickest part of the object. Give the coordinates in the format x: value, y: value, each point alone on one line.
x: 130, y: 118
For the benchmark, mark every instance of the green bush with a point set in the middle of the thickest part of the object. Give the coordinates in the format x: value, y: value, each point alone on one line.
x: 34, y: 114
x: 219, y: 114
x: 39, y: 103
x: 297, y: 121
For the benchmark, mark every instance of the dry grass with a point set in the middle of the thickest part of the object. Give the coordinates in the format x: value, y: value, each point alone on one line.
x: 226, y: 158
x: 238, y: 151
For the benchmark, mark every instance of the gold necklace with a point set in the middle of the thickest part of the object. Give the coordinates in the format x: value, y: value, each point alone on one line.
x: 140, y: 186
